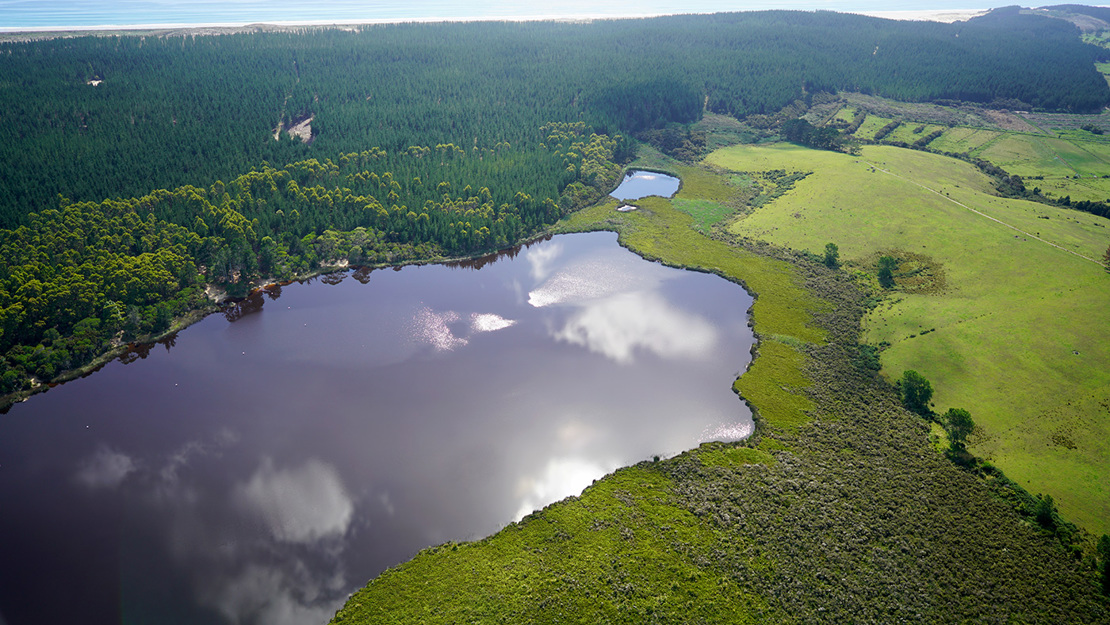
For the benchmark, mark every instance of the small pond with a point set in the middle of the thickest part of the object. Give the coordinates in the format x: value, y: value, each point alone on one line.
x: 639, y: 184
x: 268, y: 461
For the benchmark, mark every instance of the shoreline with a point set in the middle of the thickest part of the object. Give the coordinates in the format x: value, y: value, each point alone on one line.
x: 935, y: 15
x: 218, y: 303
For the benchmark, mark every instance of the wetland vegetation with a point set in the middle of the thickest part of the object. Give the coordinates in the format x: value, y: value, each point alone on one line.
x: 838, y: 510
x: 953, y: 158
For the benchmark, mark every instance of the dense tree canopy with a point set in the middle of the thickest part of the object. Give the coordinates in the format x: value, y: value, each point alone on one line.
x: 77, y: 279
x: 117, y: 116
x: 416, y: 141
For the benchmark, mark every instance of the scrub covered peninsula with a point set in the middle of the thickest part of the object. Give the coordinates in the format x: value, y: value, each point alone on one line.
x: 143, y: 174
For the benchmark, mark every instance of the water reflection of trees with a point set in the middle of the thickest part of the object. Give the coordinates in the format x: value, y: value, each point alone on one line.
x: 333, y: 278
x: 252, y: 303
x: 139, y: 351
x: 248, y: 306
x: 489, y: 259
x: 362, y: 274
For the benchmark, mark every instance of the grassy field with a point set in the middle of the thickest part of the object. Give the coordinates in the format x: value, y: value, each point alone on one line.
x: 1068, y: 160
x: 1096, y: 189
x: 1028, y: 156
x: 1071, y: 164
x: 959, y: 140
x: 911, y: 131
x: 838, y: 510
x: 1017, y: 335
x: 870, y: 126
x: 845, y: 114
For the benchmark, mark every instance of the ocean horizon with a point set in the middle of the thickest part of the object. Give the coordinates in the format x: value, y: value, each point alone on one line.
x: 60, y: 15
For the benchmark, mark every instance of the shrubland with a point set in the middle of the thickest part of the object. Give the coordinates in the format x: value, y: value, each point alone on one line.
x: 838, y: 510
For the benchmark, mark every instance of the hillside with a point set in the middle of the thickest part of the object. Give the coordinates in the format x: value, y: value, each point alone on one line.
x: 993, y: 303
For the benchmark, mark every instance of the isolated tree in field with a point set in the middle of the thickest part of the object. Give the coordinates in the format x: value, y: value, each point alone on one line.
x: 957, y: 422
x: 832, y: 255
x: 1106, y: 259
x: 887, y: 264
x: 916, y: 392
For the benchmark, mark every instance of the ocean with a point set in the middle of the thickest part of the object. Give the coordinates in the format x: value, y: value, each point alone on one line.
x: 22, y: 15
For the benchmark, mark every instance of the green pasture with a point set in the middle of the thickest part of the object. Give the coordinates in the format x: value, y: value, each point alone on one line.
x: 961, y: 139
x: 1017, y: 335
x: 870, y: 126
x: 706, y: 213
x: 1070, y: 165
x: 1025, y: 156
x: 910, y: 132
x: 1096, y: 189
x: 846, y: 113
x: 1028, y: 155
x: 1086, y: 157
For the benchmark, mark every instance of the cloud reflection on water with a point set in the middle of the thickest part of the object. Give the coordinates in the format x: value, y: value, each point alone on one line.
x: 542, y: 259
x: 595, y: 277
x: 434, y: 328
x: 288, y: 573
x: 727, y: 432
x: 106, y: 468
x: 619, y: 310
x: 616, y: 327
x: 561, y: 477
x: 300, y: 505
x: 306, y: 507
x: 488, y: 322
x: 274, y: 595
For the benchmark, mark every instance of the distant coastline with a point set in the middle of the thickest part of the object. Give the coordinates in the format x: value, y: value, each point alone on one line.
x: 6, y: 32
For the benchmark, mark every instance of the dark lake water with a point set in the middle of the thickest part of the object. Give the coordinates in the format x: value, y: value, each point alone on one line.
x: 272, y: 459
x: 638, y: 184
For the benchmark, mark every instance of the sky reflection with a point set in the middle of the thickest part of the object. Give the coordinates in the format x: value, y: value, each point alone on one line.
x: 262, y: 469
x: 619, y: 326
x: 560, y: 478
x: 596, y: 276
x: 299, y: 505
x: 617, y: 309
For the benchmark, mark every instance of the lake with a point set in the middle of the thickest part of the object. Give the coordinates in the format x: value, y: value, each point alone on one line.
x: 639, y: 184
x: 266, y: 462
